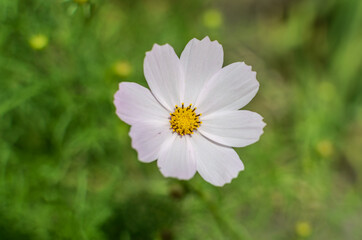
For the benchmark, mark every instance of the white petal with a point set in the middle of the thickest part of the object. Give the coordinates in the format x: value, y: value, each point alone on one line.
x: 216, y: 164
x: 200, y: 61
x: 234, y: 128
x: 164, y: 75
x: 176, y: 158
x: 147, y: 139
x: 135, y: 103
x: 230, y: 89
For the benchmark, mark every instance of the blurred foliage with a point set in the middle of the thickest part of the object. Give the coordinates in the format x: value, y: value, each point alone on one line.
x: 142, y: 216
x: 67, y: 170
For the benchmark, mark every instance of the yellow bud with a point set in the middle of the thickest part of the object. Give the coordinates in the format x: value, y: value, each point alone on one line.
x: 303, y: 229
x: 212, y: 18
x: 325, y: 148
x: 38, y: 41
x: 122, y: 69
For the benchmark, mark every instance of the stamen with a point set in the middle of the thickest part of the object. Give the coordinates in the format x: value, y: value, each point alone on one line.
x: 184, y: 120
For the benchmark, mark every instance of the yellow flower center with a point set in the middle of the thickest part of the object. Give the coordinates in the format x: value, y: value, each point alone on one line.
x: 184, y: 120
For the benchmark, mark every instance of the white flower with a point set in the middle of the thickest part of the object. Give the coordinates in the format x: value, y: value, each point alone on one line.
x: 190, y: 120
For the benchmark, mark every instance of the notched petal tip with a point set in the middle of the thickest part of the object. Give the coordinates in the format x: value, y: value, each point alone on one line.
x: 204, y: 40
x: 121, y: 89
x: 179, y: 177
x: 116, y: 95
x: 263, y: 123
x: 230, y: 180
x: 248, y: 67
x: 253, y: 73
x: 157, y: 47
x: 207, y: 39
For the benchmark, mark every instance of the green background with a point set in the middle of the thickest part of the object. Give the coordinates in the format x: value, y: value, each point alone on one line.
x: 67, y: 169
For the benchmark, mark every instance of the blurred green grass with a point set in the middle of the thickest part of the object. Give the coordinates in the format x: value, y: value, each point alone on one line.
x: 67, y: 170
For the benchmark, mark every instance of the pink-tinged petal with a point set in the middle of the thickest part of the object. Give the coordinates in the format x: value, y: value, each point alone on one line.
x: 233, y: 128
x: 230, y: 89
x: 135, y: 103
x: 147, y: 139
x: 200, y: 61
x: 215, y: 163
x: 164, y: 75
x: 176, y: 158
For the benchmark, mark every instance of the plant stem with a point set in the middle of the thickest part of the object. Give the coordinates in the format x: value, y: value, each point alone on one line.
x: 224, y: 224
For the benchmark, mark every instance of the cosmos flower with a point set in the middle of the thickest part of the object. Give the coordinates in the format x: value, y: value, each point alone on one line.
x: 190, y: 119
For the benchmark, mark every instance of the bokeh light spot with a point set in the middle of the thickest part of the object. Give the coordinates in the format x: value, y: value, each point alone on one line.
x: 325, y: 148
x: 212, y: 18
x: 38, y: 42
x: 303, y: 229
x: 122, y: 68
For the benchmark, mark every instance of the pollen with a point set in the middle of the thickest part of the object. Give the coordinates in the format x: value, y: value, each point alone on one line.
x: 185, y: 120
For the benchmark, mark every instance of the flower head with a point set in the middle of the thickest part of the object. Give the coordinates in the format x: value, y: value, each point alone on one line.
x: 190, y: 119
